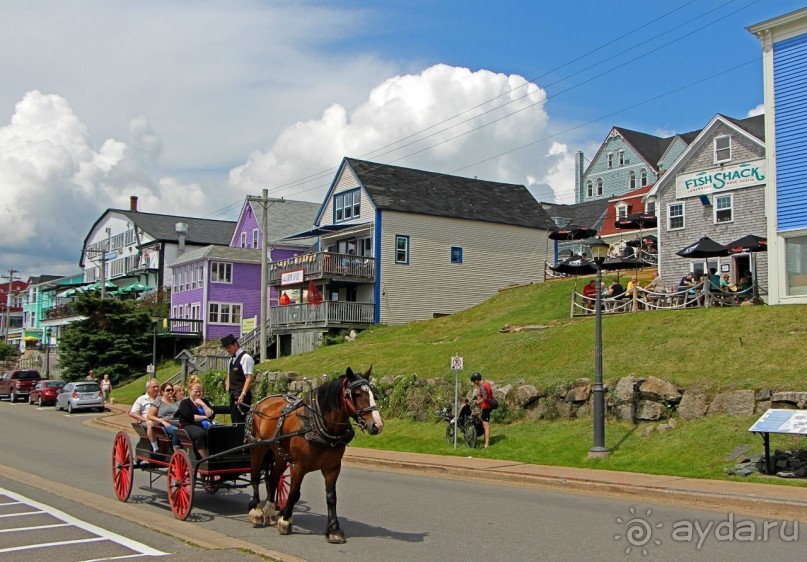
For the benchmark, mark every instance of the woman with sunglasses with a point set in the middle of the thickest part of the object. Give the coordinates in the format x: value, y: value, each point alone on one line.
x: 163, y: 414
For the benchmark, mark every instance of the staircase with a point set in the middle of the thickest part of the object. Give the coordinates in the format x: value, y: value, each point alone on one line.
x: 251, y: 341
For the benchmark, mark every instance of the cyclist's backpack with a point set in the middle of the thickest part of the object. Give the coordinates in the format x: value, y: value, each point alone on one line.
x: 494, y: 403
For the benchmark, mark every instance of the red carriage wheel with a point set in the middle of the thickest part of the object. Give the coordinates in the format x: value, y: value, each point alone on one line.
x: 122, y: 466
x: 283, y: 487
x: 180, y: 484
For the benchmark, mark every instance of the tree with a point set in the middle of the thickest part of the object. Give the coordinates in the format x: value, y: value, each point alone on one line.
x: 113, y: 339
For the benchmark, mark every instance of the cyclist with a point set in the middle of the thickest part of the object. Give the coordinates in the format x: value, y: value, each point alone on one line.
x: 485, y: 396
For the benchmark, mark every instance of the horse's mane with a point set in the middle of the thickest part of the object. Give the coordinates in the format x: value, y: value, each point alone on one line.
x: 329, y: 395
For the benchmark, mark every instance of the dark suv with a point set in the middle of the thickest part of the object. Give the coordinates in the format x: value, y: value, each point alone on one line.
x: 17, y: 384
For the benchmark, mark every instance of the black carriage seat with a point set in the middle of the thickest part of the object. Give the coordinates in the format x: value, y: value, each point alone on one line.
x: 221, y: 438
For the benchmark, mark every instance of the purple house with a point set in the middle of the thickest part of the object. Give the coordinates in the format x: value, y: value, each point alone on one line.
x: 216, y: 289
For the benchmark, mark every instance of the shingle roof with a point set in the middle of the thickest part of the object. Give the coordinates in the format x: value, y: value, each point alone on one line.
x: 589, y: 213
x: 219, y: 252
x: 163, y: 227
x: 753, y: 125
x: 287, y: 218
x: 650, y: 147
x: 407, y: 190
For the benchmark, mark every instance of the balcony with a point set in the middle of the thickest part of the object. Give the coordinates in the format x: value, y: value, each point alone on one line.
x: 328, y: 314
x: 180, y: 327
x: 325, y: 265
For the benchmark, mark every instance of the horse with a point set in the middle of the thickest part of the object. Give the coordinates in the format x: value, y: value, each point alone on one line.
x: 309, y: 434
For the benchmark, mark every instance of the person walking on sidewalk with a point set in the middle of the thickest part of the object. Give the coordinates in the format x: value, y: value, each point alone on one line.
x: 484, y: 397
x: 106, y: 388
x: 239, y: 378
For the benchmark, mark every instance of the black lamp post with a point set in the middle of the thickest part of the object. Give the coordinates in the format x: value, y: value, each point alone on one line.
x: 47, y: 353
x: 599, y: 249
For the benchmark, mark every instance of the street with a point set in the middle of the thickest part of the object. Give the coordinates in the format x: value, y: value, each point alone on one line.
x: 384, y: 515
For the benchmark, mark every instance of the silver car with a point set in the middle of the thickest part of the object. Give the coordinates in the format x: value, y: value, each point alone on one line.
x: 80, y: 395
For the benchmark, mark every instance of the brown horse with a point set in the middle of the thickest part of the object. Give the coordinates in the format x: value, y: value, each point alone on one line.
x: 308, y: 434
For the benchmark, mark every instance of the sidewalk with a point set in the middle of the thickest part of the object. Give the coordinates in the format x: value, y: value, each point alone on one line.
x: 762, y: 500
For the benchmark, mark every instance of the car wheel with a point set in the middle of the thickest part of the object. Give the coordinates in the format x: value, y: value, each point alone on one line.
x: 69, y: 407
x: 12, y: 397
x: 40, y: 402
x: 30, y: 400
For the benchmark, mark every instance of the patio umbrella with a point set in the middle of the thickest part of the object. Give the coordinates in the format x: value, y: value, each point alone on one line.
x: 109, y: 285
x: 621, y: 263
x: 575, y: 265
x: 72, y: 292
x: 637, y: 221
x: 703, y: 248
x: 572, y: 232
x: 750, y: 244
x: 136, y: 287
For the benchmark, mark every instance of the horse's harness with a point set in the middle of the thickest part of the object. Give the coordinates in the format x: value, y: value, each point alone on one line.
x: 312, y: 422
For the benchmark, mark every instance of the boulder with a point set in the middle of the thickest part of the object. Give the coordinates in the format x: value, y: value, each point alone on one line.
x: 794, y: 399
x: 624, y: 412
x: 650, y: 410
x: 762, y: 407
x: 525, y: 394
x: 694, y: 405
x: 625, y: 390
x: 579, y: 393
x: 654, y: 388
x: 739, y: 403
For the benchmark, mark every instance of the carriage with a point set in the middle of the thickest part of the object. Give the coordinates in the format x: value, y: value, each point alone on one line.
x: 184, y: 469
x: 284, y: 438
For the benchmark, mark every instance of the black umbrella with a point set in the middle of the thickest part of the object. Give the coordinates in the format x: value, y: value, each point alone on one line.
x: 618, y: 263
x: 704, y: 248
x: 748, y: 244
x: 637, y: 220
x: 572, y: 232
x: 575, y: 265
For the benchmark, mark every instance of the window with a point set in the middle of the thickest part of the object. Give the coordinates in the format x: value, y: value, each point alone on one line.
x: 599, y: 186
x: 243, y: 239
x: 366, y: 247
x: 255, y: 238
x: 724, y: 208
x: 675, y: 216
x: 651, y: 208
x: 456, y: 254
x: 610, y: 159
x: 632, y: 180
x: 346, y: 205
x: 621, y: 211
x: 224, y: 313
x: 590, y: 188
x: 221, y: 272
x: 643, y: 177
x: 401, y: 249
x: 621, y: 157
x: 796, y: 265
x: 722, y: 149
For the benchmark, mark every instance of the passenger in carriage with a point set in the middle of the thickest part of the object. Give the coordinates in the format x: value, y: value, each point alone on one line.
x: 163, y: 414
x: 195, y: 414
x: 140, y: 409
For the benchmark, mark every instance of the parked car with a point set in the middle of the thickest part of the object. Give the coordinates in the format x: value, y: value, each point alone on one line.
x: 45, y: 392
x: 17, y: 384
x: 80, y: 395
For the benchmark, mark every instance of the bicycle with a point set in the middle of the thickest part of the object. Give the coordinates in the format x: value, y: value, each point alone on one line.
x: 469, y: 425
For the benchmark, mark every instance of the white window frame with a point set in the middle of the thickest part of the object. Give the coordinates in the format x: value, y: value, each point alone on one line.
x: 599, y: 186
x: 621, y: 157
x: 621, y: 211
x: 243, y: 239
x: 255, y: 238
x: 221, y: 272
x: 224, y: 313
x: 724, y: 149
x: 631, y: 180
x: 403, y: 258
x: 729, y: 208
x: 642, y: 177
x: 590, y: 188
x: 670, y: 217
x: 609, y: 159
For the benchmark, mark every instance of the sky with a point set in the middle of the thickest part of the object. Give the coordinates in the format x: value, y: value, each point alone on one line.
x: 192, y: 106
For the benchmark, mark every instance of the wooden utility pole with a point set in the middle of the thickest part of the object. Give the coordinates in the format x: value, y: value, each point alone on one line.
x: 265, y: 203
x: 11, y: 280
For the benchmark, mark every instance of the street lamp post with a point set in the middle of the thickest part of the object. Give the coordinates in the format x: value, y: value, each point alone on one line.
x: 599, y: 249
x: 47, y: 353
x: 154, y: 320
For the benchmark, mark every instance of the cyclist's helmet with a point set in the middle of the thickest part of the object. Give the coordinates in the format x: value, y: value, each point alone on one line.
x: 476, y: 377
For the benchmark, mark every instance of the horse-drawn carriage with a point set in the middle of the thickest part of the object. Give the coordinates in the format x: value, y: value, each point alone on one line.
x: 283, y: 439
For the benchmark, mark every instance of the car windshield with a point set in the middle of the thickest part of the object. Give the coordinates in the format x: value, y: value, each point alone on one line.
x: 88, y: 387
x: 29, y: 375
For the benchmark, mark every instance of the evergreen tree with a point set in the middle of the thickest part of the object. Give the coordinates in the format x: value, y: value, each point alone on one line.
x: 113, y: 339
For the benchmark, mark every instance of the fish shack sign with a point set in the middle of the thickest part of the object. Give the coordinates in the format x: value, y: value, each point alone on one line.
x: 720, y: 179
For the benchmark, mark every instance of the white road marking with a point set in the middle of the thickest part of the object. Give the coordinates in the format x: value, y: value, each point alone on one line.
x: 18, y: 514
x: 103, y: 534
x: 37, y: 528
x: 50, y: 544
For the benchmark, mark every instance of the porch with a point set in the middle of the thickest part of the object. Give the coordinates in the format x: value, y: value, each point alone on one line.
x: 324, y: 265
x: 328, y: 314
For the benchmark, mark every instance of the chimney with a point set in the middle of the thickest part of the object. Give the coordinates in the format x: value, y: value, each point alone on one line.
x: 181, y: 230
x: 579, y: 168
x: 133, y: 203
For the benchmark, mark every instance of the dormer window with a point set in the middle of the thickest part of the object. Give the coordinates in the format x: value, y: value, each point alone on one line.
x: 621, y: 211
x: 610, y: 159
x: 722, y: 149
x: 346, y: 205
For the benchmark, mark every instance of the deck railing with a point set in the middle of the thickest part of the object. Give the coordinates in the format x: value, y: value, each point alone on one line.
x: 326, y: 314
x: 324, y: 265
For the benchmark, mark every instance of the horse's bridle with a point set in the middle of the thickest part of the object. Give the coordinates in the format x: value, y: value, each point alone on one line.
x: 350, y: 404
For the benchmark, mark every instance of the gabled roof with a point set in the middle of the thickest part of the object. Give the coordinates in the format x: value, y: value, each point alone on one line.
x: 43, y: 279
x: 752, y: 125
x: 408, y: 190
x: 212, y: 252
x: 633, y: 199
x: 163, y: 227
x: 287, y: 218
x: 589, y: 213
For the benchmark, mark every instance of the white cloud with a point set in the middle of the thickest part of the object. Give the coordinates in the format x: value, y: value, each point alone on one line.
x: 758, y: 110
x: 413, y: 116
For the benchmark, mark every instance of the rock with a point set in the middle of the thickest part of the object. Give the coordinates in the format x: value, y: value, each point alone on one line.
x: 663, y: 427
x: 672, y: 423
x: 578, y: 393
x: 797, y: 399
x: 509, y: 329
x: 624, y: 412
x: 764, y: 394
x: 387, y: 380
x: 737, y: 452
x: 785, y: 474
x: 762, y: 407
x: 655, y: 388
x: 738, y: 403
x: 525, y: 394
x: 649, y: 410
x: 648, y: 430
x: 694, y: 405
x: 746, y: 471
x: 625, y: 390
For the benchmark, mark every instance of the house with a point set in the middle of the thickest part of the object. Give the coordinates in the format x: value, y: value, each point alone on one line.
x: 590, y: 214
x: 784, y: 56
x: 12, y: 295
x: 38, y: 299
x: 625, y: 161
x: 715, y: 188
x: 396, y: 245
x: 216, y: 289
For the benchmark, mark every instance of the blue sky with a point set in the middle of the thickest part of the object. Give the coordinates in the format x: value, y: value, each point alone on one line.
x: 194, y: 105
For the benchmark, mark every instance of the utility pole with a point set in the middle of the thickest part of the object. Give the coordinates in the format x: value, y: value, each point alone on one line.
x: 265, y: 203
x: 11, y: 280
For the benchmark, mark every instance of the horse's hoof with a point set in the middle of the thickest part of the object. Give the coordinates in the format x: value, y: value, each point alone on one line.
x: 269, y: 514
x: 284, y: 526
x: 336, y: 538
x: 256, y: 517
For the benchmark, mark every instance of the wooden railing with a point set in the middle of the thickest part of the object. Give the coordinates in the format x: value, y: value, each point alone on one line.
x: 326, y: 314
x: 180, y: 326
x: 322, y: 265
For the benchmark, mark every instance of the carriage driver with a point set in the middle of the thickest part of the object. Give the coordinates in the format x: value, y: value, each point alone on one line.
x: 239, y: 378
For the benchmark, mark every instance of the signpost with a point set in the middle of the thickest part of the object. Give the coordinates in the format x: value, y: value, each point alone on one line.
x: 793, y: 422
x: 456, y: 366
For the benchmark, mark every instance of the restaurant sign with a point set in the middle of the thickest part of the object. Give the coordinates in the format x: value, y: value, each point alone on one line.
x: 720, y: 179
x: 292, y: 277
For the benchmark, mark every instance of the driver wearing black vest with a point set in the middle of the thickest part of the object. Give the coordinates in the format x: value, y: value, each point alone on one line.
x: 239, y: 378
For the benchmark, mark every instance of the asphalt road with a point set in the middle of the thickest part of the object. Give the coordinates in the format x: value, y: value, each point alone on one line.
x: 386, y: 516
